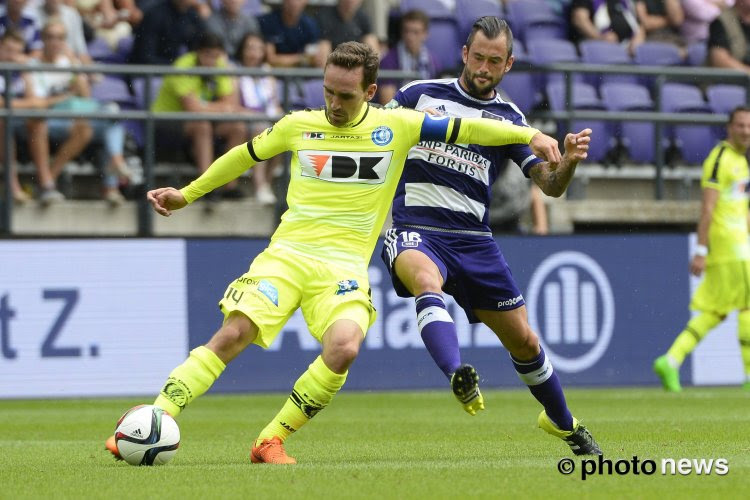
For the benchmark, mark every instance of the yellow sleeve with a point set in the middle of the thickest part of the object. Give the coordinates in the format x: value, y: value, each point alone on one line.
x: 225, y: 168
x: 487, y: 132
x: 711, y: 168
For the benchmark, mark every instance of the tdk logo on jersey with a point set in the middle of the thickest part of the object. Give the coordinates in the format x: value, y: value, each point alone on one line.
x: 266, y: 288
x: 313, y: 136
x: 382, y: 135
x: 573, y: 310
x: 342, y: 166
x: 346, y: 286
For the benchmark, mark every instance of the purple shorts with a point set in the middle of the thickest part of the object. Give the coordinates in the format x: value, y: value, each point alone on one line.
x: 474, y: 270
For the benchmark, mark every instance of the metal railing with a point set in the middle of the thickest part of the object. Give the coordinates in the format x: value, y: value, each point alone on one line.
x: 291, y: 75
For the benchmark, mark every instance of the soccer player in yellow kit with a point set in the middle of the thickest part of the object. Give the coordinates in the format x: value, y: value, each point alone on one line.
x: 723, y: 252
x: 346, y: 163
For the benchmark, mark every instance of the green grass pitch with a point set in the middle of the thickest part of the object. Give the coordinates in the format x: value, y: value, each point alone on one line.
x: 383, y: 445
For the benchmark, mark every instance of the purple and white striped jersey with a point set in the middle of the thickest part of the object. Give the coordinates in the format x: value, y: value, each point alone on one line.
x: 448, y: 185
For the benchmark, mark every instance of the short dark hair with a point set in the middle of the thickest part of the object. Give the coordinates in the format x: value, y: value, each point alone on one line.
x: 416, y: 15
x: 241, y: 45
x: 351, y: 55
x: 491, y: 27
x: 738, y: 109
x: 208, y: 40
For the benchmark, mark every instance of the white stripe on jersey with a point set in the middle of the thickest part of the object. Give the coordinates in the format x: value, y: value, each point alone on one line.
x: 424, y: 194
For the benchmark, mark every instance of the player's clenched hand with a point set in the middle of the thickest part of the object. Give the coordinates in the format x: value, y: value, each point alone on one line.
x: 697, y: 265
x: 577, y: 145
x: 545, y: 147
x: 164, y: 200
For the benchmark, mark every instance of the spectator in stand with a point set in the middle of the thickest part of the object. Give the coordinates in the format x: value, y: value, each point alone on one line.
x: 258, y: 95
x: 610, y: 20
x: 409, y: 54
x: 292, y: 37
x: 346, y: 22
x: 110, y: 20
x: 230, y: 24
x: 200, y: 94
x: 73, y: 25
x: 661, y: 20
x: 23, y: 96
x: 14, y: 14
x: 69, y: 91
x: 698, y: 15
x: 167, y: 30
x: 729, y: 38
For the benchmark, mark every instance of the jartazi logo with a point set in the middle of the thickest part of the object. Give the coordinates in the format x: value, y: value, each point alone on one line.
x: 572, y: 308
x: 366, y: 168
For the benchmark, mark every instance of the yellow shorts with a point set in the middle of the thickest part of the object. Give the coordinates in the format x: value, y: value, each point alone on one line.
x: 279, y: 282
x: 725, y: 288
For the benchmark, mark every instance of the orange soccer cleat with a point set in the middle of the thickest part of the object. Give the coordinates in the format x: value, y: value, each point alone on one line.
x: 111, y: 446
x: 270, y: 451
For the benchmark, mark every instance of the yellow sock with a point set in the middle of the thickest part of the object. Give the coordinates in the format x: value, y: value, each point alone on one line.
x: 312, y: 392
x: 743, y: 318
x: 696, y: 329
x: 189, y: 380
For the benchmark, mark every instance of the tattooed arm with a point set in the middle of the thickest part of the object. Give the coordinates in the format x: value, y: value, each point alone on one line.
x: 553, y: 178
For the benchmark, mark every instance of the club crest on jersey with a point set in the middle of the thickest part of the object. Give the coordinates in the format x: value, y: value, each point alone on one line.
x: 313, y: 135
x: 345, y: 166
x: 382, y: 135
x: 346, y: 286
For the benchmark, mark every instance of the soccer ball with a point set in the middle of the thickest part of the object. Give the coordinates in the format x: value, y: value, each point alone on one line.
x: 147, y: 435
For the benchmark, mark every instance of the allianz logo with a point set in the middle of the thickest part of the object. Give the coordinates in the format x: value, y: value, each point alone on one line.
x: 571, y: 307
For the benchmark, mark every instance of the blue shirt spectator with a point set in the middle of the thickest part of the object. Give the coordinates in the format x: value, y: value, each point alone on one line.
x: 289, y: 33
x: 166, y: 32
x: 15, y: 15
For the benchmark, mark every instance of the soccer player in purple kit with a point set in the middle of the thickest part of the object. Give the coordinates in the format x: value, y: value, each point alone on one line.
x: 441, y: 242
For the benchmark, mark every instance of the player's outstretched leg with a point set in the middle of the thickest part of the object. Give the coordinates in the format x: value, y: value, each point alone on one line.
x: 312, y: 392
x: 186, y: 382
x: 465, y: 385
x: 667, y: 367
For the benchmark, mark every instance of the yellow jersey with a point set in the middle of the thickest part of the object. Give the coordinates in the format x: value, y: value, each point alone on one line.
x: 343, y: 179
x: 726, y: 170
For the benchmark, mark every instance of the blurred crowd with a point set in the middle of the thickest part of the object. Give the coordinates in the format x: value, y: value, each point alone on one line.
x: 275, y: 33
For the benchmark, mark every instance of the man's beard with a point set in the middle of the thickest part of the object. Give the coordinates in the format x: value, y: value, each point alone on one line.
x: 473, y: 89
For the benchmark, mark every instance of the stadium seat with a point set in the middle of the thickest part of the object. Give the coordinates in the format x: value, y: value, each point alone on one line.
x: 312, y: 93
x: 113, y: 89
x: 444, y: 43
x: 523, y: 14
x: 468, y: 11
x: 637, y: 137
x: 601, y: 52
x: 693, y: 141
x: 584, y: 97
x: 656, y: 54
x: 436, y: 10
x: 546, y: 51
x: 724, y: 98
x: 519, y: 86
x: 697, y: 53
x: 99, y: 50
x: 139, y: 91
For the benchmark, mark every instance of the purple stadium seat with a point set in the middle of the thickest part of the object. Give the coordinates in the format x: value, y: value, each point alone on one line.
x: 139, y: 91
x: 546, y: 51
x: 584, y: 97
x: 601, y: 52
x: 694, y: 141
x: 519, y: 86
x: 724, y: 98
x: 433, y: 8
x: 99, y: 50
x: 444, y: 43
x: 112, y: 89
x: 656, y: 54
x: 468, y: 11
x: 697, y: 53
x: 637, y: 137
x: 523, y: 14
x: 312, y: 93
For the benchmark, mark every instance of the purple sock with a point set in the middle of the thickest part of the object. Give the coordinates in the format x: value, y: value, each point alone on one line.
x: 545, y: 386
x: 438, y: 332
